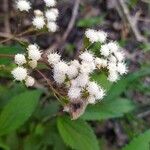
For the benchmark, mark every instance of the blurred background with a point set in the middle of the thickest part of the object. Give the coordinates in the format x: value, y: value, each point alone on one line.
x: 114, y: 123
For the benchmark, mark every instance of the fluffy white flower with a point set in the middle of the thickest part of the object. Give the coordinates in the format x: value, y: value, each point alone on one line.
x: 19, y: 73
x: 52, y: 26
x: 23, y: 5
x: 113, y: 47
x: 61, y: 68
x: 100, y: 62
x: 50, y: 3
x: 74, y: 92
x: 86, y: 56
x: 20, y: 59
x: 72, y: 71
x: 113, y: 76
x: 121, y: 68
x: 33, y: 52
x: 91, y: 35
x: 29, y: 81
x: 53, y: 58
x: 99, y: 95
x: 75, y: 63
x: 87, y: 67
x: 51, y: 14
x: 112, y: 66
x: 59, y: 77
x: 82, y: 80
x: 93, y: 88
x: 112, y: 59
x: 38, y: 22
x: 120, y: 55
x: 105, y: 50
x: 102, y: 36
x: 91, y: 99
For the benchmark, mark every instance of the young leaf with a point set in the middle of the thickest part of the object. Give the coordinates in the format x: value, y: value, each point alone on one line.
x: 108, y: 109
x: 77, y: 134
x: 18, y: 110
x: 142, y: 142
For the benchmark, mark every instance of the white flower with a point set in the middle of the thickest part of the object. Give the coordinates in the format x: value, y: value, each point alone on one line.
x: 113, y: 47
x: 52, y: 26
x: 113, y: 76
x: 102, y: 36
x: 91, y: 100
x: 112, y: 66
x: 59, y: 77
x: 34, y: 52
x: 51, y: 14
x: 86, y: 56
x: 20, y: 59
x: 87, y: 68
x: 100, y: 94
x: 32, y: 64
x: 100, y: 62
x: 120, y: 55
x: 38, y: 22
x: 19, y: 73
x: 23, y: 5
x: 82, y: 80
x: 91, y: 35
x: 121, y: 68
x: 50, y: 3
x: 74, y: 93
x: 29, y: 81
x: 53, y: 58
x: 75, y: 63
x: 72, y: 71
x: 112, y: 59
x: 105, y: 50
x: 93, y: 88
x: 61, y: 68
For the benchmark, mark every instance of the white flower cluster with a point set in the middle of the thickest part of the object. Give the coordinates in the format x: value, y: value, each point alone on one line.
x: 20, y: 73
x: 42, y: 19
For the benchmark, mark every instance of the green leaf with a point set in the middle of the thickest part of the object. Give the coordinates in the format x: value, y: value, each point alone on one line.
x: 108, y: 109
x: 142, y: 142
x: 118, y: 88
x: 77, y: 134
x: 18, y: 110
x: 91, y: 21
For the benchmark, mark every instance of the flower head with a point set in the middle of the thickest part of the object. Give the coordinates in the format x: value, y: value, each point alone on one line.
x: 29, y: 81
x: 38, y: 22
x: 53, y: 58
x: 23, y: 5
x: 50, y: 3
x: 20, y: 59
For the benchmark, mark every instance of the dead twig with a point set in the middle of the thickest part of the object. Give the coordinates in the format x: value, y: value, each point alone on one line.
x: 132, y: 21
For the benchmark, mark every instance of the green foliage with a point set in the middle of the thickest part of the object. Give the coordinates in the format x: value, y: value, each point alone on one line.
x: 18, y: 110
x: 108, y: 109
x: 77, y: 134
x: 142, y: 142
x: 91, y: 21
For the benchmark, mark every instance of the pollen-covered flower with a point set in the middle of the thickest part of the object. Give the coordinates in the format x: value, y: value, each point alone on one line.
x: 33, y: 52
x: 29, y: 81
x: 19, y: 73
x: 74, y: 92
x: 53, y: 58
x: 23, y: 5
x: 20, y: 59
x: 50, y: 3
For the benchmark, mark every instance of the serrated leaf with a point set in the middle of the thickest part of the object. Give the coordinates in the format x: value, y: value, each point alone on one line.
x: 108, y: 109
x: 118, y: 88
x: 142, y: 142
x: 18, y: 110
x: 77, y: 134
